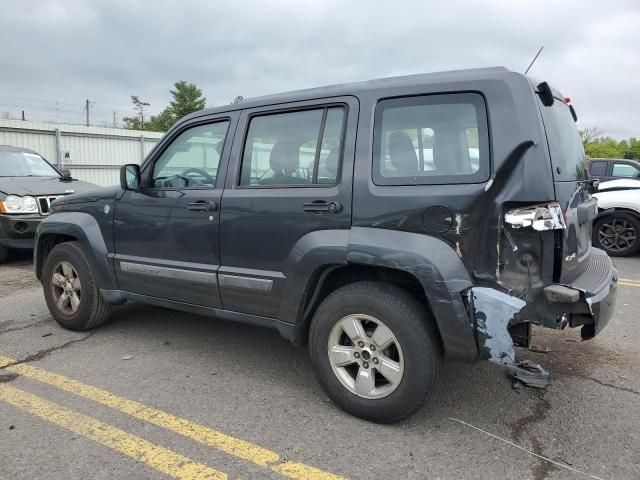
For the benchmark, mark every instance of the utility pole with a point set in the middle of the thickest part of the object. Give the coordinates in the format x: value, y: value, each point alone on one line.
x: 86, y: 107
x: 23, y: 115
x: 114, y: 119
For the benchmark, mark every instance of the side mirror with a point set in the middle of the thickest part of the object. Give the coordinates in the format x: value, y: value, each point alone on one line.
x: 130, y: 176
x: 65, y: 174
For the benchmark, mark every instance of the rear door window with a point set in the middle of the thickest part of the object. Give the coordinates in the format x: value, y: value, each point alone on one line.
x: 299, y: 148
x: 434, y: 139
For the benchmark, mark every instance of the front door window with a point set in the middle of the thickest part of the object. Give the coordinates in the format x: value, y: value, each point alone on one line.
x: 625, y: 170
x: 192, y: 160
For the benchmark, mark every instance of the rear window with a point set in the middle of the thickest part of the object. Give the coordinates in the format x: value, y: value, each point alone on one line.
x: 565, y: 145
x: 431, y: 139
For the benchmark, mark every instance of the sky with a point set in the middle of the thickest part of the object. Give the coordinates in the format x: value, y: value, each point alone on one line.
x: 54, y: 54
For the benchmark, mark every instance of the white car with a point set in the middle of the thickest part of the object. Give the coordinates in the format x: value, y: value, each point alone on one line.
x: 616, y: 229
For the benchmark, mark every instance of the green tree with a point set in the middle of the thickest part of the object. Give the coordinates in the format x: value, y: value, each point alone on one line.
x: 605, y: 147
x: 633, y: 151
x: 187, y: 98
x: 597, y: 146
x: 161, y: 122
x: 136, y: 122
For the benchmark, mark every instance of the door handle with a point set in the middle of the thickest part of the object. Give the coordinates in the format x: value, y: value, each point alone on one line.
x: 203, y: 206
x: 322, y: 207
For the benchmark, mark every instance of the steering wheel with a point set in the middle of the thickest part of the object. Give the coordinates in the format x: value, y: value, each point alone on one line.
x: 200, y: 172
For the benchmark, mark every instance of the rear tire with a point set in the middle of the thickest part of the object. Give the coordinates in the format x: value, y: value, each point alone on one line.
x: 618, y: 234
x: 382, y: 377
x: 4, y: 253
x: 70, y: 289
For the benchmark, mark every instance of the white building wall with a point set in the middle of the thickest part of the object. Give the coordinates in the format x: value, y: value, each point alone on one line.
x: 93, y: 154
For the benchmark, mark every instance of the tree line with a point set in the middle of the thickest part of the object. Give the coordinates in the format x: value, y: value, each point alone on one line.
x: 187, y: 98
x: 598, y: 146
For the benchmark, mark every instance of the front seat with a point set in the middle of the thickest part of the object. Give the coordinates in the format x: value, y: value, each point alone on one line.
x: 328, y: 174
x: 402, y: 154
x: 284, y: 162
x: 445, y: 157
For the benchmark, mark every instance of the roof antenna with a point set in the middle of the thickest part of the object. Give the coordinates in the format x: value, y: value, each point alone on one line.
x: 534, y: 59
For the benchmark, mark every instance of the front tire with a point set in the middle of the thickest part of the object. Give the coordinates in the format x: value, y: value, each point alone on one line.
x: 375, y: 351
x: 618, y: 234
x: 70, y: 289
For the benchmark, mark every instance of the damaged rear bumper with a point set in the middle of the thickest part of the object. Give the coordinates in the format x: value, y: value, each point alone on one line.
x: 592, y: 296
x: 587, y: 300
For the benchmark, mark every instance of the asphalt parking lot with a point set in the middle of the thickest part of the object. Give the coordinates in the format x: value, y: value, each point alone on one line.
x: 155, y: 393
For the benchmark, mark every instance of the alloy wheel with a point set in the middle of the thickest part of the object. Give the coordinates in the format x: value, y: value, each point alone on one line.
x: 617, y: 235
x: 366, y: 356
x: 66, y: 288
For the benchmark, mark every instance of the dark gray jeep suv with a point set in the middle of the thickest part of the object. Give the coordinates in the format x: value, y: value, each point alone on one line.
x: 388, y: 224
x: 28, y: 185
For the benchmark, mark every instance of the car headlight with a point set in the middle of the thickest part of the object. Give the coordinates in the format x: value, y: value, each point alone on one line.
x: 16, y: 204
x: 29, y: 205
x: 13, y: 204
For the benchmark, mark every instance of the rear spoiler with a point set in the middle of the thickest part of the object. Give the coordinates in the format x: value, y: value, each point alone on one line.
x: 547, y: 97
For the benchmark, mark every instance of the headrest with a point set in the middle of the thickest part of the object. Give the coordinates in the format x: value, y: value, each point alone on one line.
x: 403, y: 154
x: 444, y: 154
x: 284, y: 157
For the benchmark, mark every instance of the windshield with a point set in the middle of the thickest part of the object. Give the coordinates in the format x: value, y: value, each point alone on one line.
x: 23, y: 164
x: 565, y: 145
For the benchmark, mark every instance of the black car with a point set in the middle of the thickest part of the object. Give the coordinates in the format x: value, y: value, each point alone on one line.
x: 605, y: 169
x: 28, y: 185
x: 388, y: 224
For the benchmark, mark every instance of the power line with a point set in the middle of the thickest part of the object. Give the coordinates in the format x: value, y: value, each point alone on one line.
x: 21, y: 105
x: 56, y: 111
x: 37, y: 100
x: 54, y: 104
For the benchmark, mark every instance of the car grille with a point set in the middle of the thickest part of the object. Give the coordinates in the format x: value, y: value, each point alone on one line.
x: 44, y: 203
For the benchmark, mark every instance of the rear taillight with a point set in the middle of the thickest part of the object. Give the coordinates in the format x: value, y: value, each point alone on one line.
x: 541, y: 217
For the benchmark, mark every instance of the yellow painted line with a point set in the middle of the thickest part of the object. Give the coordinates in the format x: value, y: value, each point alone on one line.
x: 201, y: 434
x: 162, y: 459
x: 628, y: 282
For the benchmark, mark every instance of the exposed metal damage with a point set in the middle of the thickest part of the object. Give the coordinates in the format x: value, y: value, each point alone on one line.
x: 527, y: 258
x: 493, y: 312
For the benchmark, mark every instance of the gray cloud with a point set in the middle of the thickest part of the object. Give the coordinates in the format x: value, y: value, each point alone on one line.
x: 106, y: 51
